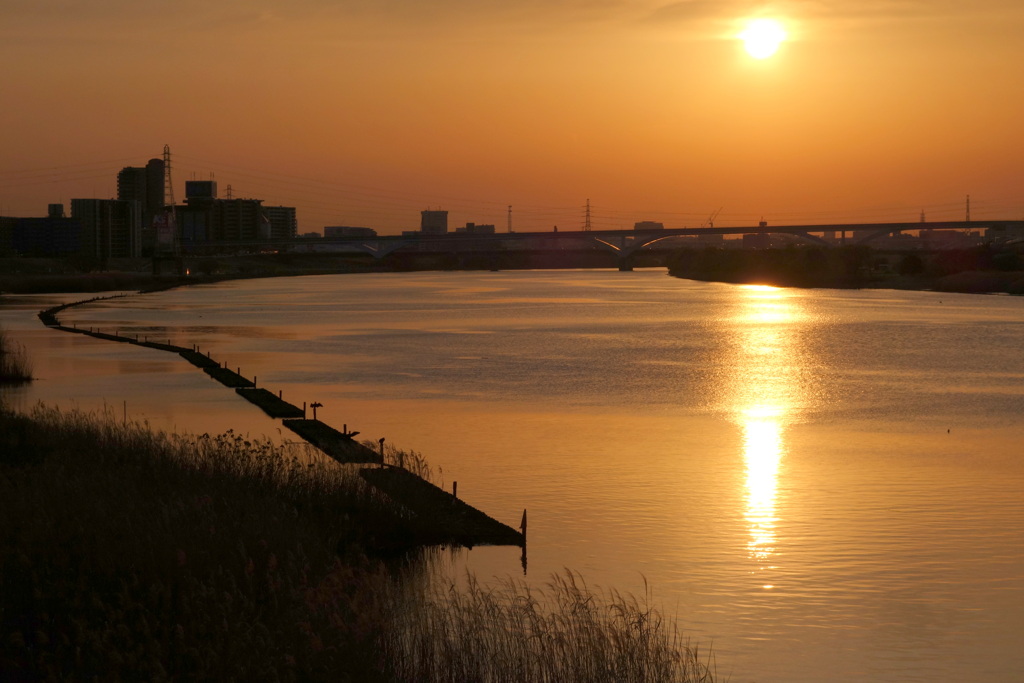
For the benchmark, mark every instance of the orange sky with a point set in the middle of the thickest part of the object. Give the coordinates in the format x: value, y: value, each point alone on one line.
x: 364, y: 112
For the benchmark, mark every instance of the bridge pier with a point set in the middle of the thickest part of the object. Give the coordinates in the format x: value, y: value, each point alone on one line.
x: 625, y: 264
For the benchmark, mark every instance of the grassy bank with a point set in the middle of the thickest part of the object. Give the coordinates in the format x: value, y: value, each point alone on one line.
x: 128, y: 554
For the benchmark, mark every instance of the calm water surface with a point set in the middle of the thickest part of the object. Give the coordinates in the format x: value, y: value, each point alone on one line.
x: 823, y: 485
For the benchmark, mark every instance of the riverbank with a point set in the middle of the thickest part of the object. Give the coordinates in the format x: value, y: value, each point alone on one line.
x: 46, y: 276
x: 129, y: 554
x: 983, y: 270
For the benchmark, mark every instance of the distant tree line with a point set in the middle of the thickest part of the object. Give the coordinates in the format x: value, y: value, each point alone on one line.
x: 852, y: 267
x: 841, y: 267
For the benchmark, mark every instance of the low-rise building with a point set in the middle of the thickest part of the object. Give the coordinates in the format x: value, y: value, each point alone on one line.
x: 340, y: 231
x: 433, y: 222
x: 474, y: 229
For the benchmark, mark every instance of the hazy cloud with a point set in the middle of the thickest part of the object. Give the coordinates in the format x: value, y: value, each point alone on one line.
x: 420, y: 20
x: 855, y: 11
x: 687, y: 10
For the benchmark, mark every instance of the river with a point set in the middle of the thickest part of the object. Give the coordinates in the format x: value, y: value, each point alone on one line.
x: 819, y: 484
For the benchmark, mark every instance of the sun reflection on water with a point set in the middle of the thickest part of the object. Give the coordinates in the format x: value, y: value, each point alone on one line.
x: 762, y: 451
x: 764, y: 399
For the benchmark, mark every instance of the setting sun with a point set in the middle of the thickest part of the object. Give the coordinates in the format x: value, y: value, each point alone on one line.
x: 762, y: 37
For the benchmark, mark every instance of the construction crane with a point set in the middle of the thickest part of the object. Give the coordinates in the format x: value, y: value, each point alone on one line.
x: 710, y: 222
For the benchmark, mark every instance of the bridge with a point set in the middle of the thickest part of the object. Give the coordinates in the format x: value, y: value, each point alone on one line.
x: 622, y: 243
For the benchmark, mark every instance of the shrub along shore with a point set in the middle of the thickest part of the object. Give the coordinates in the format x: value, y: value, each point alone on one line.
x: 136, y: 555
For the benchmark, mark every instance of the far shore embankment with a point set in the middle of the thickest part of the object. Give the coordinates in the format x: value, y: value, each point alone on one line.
x: 52, y: 276
x: 979, y: 270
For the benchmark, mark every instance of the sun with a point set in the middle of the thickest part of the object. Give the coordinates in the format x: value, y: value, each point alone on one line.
x: 762, y: 37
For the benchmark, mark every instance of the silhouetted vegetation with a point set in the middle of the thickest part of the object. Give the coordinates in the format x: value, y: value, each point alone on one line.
x: 15, y: 366
x: 132, y: 555
x: 567, y: 632
x: 790, y: 267
x: 911, y: 264
x: 72, y: 274
x: 975, y: 270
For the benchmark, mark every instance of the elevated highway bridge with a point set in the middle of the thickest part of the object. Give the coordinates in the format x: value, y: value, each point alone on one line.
x: 622, y: 243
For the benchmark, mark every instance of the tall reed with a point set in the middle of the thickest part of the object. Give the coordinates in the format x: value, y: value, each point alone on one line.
x: 564, y: 632
x: 411, y: 460
x: 129, y: 554
x: 15, y: 365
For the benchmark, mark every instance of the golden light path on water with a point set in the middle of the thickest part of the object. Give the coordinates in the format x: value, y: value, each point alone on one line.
x: 762, y: 451
x: 763, y: 399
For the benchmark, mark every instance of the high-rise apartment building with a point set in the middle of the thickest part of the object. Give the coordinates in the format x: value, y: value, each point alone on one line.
x: 144, y: 185
x: 111, y: 228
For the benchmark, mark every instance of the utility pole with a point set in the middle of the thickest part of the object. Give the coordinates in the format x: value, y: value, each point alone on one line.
x: 167, y: 244
x: 968, y: 208
x: 586, y: 224
x: 510, y: 218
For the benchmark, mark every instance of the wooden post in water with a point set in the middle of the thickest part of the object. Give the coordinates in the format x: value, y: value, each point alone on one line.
x: 455, y: 489
x: 522, y: 558
x: 279, y: 392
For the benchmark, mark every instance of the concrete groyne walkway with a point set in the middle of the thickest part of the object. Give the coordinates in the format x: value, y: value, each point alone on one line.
x: 437, y: 517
